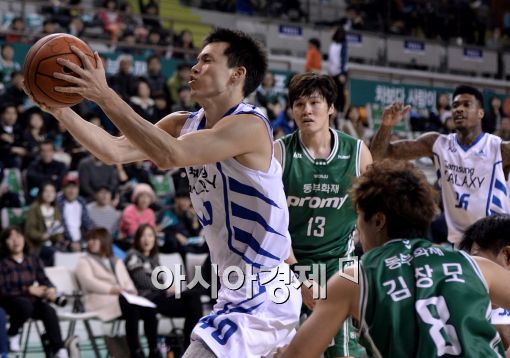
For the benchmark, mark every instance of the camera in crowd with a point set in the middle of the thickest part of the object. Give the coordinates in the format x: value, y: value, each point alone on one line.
x: 60, y: 301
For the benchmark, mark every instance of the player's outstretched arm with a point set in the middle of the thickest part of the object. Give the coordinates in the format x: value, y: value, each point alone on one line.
x: 403, y: 149
x: 229, y: 138
x: 314, y: 336
x: 498, y: 280
x: 365, y: 158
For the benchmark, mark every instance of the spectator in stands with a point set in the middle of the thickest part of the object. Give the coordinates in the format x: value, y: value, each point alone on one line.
x: 18, y: 27
x: 43, y: 228
x: 67, y: 149
x: 353, y: 19
x: 151, y: 19
x: 75, y: 216
x: 58, y: 11
x: 93, y: 174
x: 186, y: 49
x: 33, y: 136
x: 123, y: 82
x: 154, y: 77
x: 137, y: 213
x: 141, y: 262
x: 267, y: 96
x: 180, y: 78
x: 132, y: 22
x: 284, y: 123
x: 186, y: 226
x: 103, y: 278
x: 492, y: 119
x: 313, y: 56
x: 76, y: 27
x: 156, y: 41
x: 141, y: 102
x: 111, y: 19
x: 11, y: 146
x: 139, y: 172
x: 102, y: 212
x: 49, y: 27
x: 15, y: 94
x: 4, y: 339
x: 7, y: 64
x: 25, y: 291
x: 504, y: 130
x: 337, y: 65
x: 443, y: 108
x: 184, y: 103
x: 44, y: 169
x: 161, y: 107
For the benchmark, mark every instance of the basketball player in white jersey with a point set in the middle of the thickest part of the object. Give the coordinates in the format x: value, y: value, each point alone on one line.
x: 235, y: 184
x: 472, y: 166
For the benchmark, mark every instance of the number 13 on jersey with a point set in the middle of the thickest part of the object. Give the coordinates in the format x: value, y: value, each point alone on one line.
x: 316, y: 226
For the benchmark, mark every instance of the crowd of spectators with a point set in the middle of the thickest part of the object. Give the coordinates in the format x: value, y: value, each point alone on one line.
x: 136, y: 32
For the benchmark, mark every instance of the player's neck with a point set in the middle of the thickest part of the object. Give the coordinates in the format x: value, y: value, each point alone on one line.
x: 319, y: 143
x: 215, y: 108
x: 467, y: 137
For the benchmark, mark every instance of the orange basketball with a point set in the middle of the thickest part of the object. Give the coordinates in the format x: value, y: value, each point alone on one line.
x: 41, y: 63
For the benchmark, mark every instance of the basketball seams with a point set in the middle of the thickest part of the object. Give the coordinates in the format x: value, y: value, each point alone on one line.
x: 32, y: 69
x: 27, y: 67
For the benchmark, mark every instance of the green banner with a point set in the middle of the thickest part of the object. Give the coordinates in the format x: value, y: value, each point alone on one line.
x: 363, y: 92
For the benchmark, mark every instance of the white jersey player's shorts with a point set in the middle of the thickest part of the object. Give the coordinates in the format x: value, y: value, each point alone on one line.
x: 251, y: 327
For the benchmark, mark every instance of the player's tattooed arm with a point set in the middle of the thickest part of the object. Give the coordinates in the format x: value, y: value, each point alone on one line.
x: 505, y: 153
x: 381, y: 147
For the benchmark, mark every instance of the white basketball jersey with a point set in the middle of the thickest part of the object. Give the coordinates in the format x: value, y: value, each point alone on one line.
x: 472, y: 181
x: 243, y: 211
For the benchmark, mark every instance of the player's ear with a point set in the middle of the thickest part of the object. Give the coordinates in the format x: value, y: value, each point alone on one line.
x: 481, y: 113
x: 240, y: 72
x: 380, y: 221
x: 331, y: 109
x: 505, y: 251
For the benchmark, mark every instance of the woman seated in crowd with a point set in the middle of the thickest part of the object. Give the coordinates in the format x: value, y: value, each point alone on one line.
x: 136, y: 214
x: 103, y: 278
x: 25, y: 291
x: 140, y: 262
x: 43, y: 226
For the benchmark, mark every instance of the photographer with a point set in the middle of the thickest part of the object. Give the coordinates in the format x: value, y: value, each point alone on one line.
x: 25, y: 291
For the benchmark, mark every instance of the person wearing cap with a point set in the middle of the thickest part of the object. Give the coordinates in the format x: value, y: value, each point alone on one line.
x: 75, y: 216
x: 138, y: 212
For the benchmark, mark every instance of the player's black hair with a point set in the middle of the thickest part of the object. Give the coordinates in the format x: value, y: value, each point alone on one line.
x: 464, y: 89
x: 244, y: 51
x: 489, y: 233
x: 306, y: 84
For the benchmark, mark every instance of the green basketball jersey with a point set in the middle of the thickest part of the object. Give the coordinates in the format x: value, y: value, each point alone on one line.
x: 321, y: 217
x: 421, y: 300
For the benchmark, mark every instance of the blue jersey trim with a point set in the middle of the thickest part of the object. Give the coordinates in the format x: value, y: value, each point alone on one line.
x: 488, y: 210
x: 248, y: 239
x: 227, y: 220
x: 464, y: 147
x: 499, y: 185
x: 241, y: 188
x: 247, y: 214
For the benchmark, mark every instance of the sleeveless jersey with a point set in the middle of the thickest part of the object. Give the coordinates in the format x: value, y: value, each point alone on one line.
x: 421, y: 300
x: 322, y: 218
x: 243, y: 211
x: 472, y: 181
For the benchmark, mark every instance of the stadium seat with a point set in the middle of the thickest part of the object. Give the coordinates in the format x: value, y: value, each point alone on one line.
x: 65, y: 282
x: 67, y: 259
